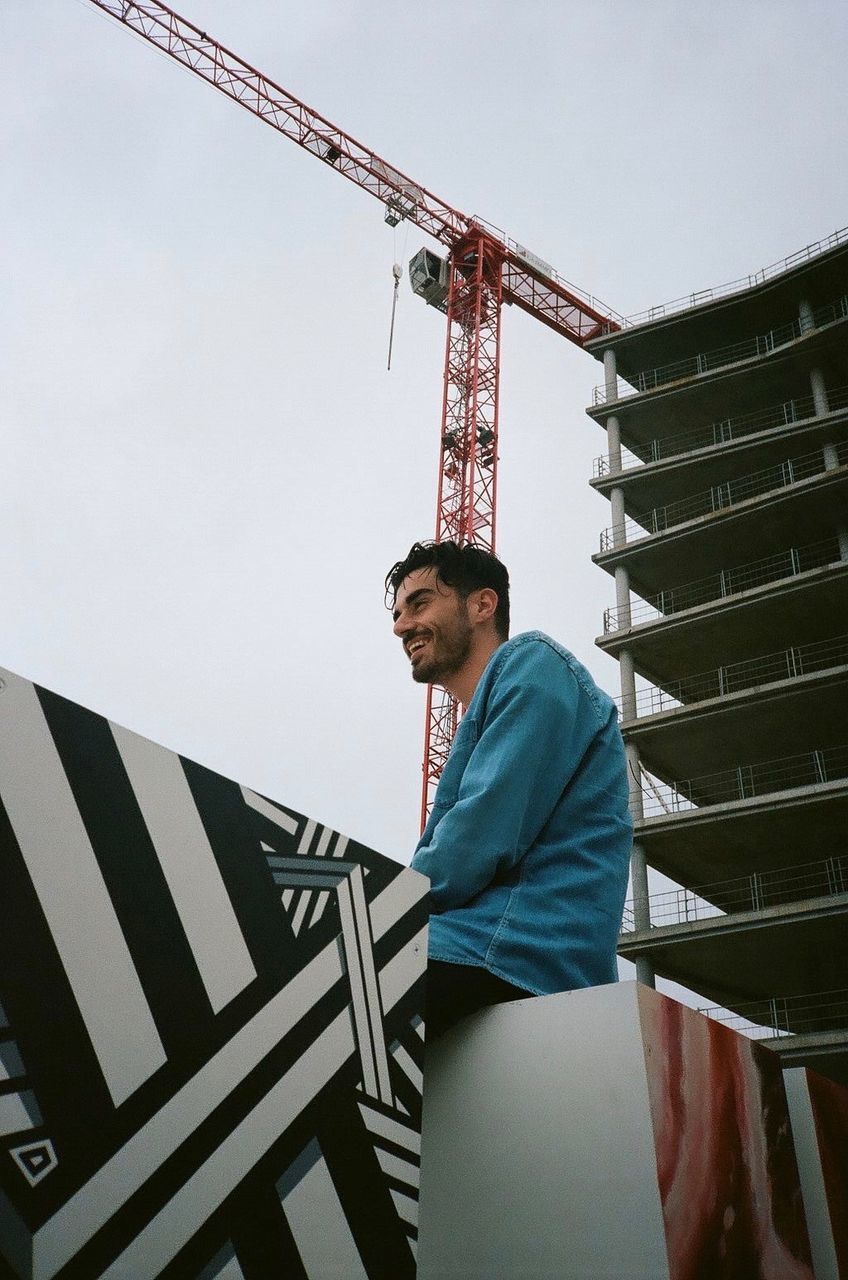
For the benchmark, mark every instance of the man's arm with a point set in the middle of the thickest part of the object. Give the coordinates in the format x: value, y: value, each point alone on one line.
x: 536, y: 730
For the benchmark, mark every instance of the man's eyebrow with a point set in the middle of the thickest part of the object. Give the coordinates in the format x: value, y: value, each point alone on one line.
x: 412, y: 598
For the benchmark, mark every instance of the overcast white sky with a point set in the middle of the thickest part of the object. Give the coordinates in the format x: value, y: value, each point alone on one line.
x: 207, y: 470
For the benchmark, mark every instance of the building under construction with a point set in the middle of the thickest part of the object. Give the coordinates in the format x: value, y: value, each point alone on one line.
x: 727, y: 473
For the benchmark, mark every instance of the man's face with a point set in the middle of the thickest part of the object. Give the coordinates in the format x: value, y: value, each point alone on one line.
x: 432, y: 621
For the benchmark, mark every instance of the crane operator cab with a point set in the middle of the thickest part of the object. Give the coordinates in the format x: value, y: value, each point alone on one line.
x: 429, y: 277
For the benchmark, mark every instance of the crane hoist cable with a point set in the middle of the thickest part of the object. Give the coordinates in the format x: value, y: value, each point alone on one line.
x: 397, y: 272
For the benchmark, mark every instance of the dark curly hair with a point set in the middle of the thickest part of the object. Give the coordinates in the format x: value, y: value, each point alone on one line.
x: 464, y: 568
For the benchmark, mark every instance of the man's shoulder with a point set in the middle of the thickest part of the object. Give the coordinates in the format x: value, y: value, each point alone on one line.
x: 530, y: 647
x: 536, y: 651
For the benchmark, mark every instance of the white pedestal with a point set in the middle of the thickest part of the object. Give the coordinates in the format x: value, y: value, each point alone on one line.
x: 606, y: 1134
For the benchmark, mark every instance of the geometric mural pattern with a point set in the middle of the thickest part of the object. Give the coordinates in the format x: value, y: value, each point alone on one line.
x: 211, y: 1035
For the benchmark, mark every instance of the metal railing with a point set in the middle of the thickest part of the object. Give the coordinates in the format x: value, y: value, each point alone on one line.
x: 776, y: 1016
x: 785, y: 664
x: 724, y: 583
x: 720, y: 497
x: 717, y: 434
x: 822, y: 879
x: 809, y: 769
x: 762, y: 344
x: 701, y: 296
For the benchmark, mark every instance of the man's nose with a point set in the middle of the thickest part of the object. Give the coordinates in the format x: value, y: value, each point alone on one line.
x: 401, y: 626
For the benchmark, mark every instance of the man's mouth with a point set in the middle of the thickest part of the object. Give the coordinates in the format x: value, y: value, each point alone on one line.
x: 414, y: 645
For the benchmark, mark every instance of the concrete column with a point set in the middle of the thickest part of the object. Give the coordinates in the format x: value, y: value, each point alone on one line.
x: 613, y: 445
x: 831, y: 457
x: 645, y: 972
x: 819, y: 390
x: 610, y: 375
x: 638, y: 862
x: 805, y: 315
x: 831, y: 461
x: 619, y: 528
x: 627, y: 675
x: 634, y: 782
x: 622, y: 596
x: 641, y: 909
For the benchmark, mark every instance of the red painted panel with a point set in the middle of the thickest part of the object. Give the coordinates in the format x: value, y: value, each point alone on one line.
x: 726, y: 1166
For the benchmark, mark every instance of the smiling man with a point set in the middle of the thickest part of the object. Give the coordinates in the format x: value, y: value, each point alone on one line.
x: 528, y: 843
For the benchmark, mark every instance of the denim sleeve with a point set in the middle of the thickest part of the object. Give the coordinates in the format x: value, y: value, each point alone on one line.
x: 534, y: 734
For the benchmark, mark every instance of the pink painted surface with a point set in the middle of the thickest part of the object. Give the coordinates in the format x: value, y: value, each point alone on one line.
x: 728, y: 1177
x: 829, y: 1102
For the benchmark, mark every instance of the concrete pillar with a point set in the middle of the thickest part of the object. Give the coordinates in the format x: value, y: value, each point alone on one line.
x: 831, y: 461
x: 819, y: 390
x: 610, y: 375
x: 805, y: 315
x: 619, y: 527
x: 831, y: 457
x: 622, y: 597
x: 645, y: 972
x: 634, y: 782
x: 628, y: 685
x: 613, y: 445
x: 638, y: 862
x: 641, y: 909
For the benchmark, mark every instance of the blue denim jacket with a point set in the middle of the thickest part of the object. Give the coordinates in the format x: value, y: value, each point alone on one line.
x: 528, y: 843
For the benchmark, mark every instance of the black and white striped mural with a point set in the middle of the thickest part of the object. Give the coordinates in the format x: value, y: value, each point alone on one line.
x: 210, y: 1020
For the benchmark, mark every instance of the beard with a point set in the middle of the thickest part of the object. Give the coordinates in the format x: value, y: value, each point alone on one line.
x: 450, y: 648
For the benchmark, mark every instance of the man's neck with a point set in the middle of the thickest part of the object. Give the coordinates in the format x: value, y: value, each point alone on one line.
x: 463, y: 683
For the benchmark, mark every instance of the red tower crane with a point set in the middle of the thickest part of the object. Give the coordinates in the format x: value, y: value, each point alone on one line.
x: 484, y: 269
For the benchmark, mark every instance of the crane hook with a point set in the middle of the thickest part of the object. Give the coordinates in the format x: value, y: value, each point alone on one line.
x: 397, y: 272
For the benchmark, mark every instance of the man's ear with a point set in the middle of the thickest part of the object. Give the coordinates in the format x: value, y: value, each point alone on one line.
x: 485, y: 604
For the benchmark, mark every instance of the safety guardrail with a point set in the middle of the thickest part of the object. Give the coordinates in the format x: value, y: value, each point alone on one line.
x: 825, y: 878
x: 784, y: 664
x: 746, y: 781
x: 723, y: 431
x: 720, y: 497
x: 724, y: 583
x: 776, y: 1016
x: 762, y: 344
x: 700, y: 296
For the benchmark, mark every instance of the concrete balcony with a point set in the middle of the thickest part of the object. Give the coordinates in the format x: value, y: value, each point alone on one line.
x: 732, y: 537
x: 730, y: 491
x: 677, y: 476
x: 763, y: 670
x: 692, y: 366
x: 823, y: 878
x: 736, y: 390
x: 794, y: 599
x: 824, y: 763
x: 790, y: 716
x: 739, y: 960
x: 757, y: 834
x: 731, y: 312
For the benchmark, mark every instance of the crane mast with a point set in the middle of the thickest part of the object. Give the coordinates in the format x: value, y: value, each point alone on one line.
x: 485, y: 268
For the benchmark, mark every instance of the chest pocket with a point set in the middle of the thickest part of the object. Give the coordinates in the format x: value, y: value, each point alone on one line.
x: 464, y: 743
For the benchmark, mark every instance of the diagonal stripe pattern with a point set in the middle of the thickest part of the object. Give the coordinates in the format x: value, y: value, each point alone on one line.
x: 286, y: 1019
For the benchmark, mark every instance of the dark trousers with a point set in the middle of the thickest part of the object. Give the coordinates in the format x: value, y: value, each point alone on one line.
x: 456, y: 990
